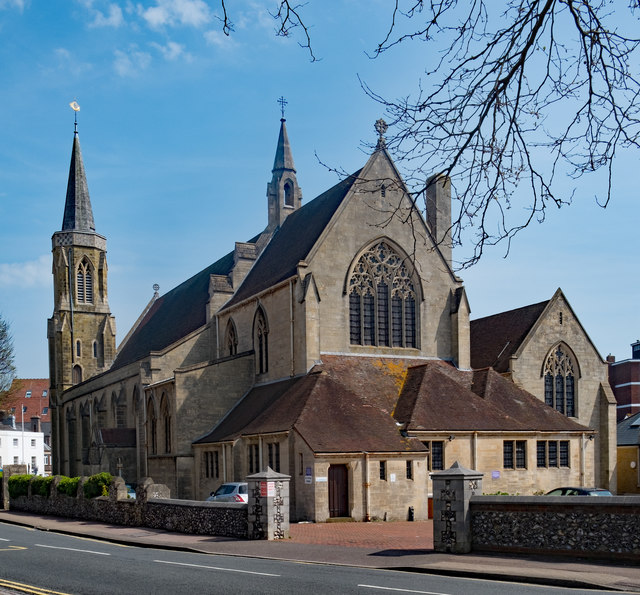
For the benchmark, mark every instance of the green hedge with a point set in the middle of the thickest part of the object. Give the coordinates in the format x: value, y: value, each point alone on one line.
x: 68, y: 486
x: 97, y: 485
x: 19, y: 485
x: 41, y: 486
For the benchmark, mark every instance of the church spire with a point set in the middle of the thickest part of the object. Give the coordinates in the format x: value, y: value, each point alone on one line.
x: 78, y: 215
x: 284, y: 159
x: 283, y: 193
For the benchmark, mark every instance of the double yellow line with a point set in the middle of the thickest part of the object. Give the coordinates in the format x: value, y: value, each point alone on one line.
x: 27, y: 588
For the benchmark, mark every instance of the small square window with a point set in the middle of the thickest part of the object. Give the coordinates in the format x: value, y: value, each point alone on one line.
x: 28, y: 395
x: 33, y: 442
x: 45, y: 410
x: 44, y: 393
x: 15, y: 442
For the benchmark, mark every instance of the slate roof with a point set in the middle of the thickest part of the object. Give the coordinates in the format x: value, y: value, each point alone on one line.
x: 360, y: 404
x: 629, y: 431
x: 182, y: 310
x: 78, y: 215
x: 494, y: 339
x: 292, y: 242
x: 173, y: 315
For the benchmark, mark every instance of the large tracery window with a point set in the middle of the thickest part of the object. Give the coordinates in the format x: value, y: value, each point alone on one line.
x: 84, y: 281
x: 382, y: 300
x: 559, y: 381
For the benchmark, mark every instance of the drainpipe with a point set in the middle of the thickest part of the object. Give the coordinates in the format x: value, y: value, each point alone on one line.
x: 292, y: 355
x: 366, y: 485
x: 474, y: 451
x: 583, y: 471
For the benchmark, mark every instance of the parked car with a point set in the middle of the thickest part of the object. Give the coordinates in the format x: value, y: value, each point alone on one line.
x: 235, y: 491
x: 579, y: 492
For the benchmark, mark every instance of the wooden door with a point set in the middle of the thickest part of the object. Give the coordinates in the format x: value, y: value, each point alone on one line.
x: 338, y: 491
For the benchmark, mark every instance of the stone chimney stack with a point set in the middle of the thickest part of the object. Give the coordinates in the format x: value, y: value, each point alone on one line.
x: 35, y: 423
x: 438, y: 203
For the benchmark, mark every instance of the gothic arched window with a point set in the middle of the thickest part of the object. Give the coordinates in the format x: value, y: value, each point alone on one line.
x: 166, y: 420
x: 153, y: 427
x: 559, y: 381
x: 84, y: 278
x: 261, y: 341
x: 382, y: 300
x: 288, y: 193
x: 230, y: 339
x: 76, y: 375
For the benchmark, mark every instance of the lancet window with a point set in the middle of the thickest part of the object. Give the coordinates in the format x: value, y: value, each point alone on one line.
x: 84, y: 282
x: 559, y: 381
x: 382, y: 300
x: 231, y: 339
x: 261, y: 342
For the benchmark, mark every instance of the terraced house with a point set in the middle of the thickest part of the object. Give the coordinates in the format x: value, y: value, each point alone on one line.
x: 334, y: 346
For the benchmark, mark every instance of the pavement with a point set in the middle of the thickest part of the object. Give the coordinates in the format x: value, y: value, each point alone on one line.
x: 406, y: 546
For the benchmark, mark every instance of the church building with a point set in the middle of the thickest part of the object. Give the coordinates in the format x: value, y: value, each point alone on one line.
x: 334, y: 346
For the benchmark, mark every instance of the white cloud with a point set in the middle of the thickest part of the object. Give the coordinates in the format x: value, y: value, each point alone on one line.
x: 218, y: 39
x: 113, y: 18
x: 172, y: 51
x: 19, y: 4
x: 33, y: 273
x: 130, y: 63
x: 171, y: 13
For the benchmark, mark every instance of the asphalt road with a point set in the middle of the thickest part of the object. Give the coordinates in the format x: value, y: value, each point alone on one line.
x: 53, y: 562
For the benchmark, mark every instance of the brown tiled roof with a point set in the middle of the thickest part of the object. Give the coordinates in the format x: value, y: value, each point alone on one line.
x: 494, y: 339
x: 440, y: 398
x: 345, y: 405
x: 292, y: 242
x: 360, y: 404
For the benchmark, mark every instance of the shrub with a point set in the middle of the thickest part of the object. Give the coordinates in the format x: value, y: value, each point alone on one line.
x: 19, y: 485
x: 68, y: 486
x: 41, y: 485
x: 97, y: 485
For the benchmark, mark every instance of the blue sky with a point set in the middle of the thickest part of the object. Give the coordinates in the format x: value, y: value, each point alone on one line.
x: 178, y: 126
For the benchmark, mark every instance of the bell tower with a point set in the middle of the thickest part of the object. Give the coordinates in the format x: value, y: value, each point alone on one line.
x: 81, y: 332
x: 283, y: 193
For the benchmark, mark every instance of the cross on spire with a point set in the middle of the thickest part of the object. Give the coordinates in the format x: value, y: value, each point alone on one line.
x: 381, y: 127
x: 282, y: 101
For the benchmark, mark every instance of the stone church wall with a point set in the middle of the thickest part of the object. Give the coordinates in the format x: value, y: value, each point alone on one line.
x: 592, y: 409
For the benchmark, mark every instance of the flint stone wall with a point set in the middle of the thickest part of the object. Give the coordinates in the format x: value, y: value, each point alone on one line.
x: 595, y: 527
x: 151, y: 508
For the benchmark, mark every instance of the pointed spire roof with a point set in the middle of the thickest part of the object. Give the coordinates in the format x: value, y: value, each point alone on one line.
x: 78, y: 215
x: 284, y: 159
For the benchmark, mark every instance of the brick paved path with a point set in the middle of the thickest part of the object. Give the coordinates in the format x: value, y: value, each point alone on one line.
x: 416, y: 535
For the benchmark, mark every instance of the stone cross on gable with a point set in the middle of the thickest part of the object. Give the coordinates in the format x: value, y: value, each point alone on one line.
x: 381, y: 127
x: 282, y: 101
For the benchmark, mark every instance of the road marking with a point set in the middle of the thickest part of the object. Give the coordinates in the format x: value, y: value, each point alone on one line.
x: 12, y: 548
x: 72, y: 549
x: 402, y: 590
x: 214, y: 568
x: 28, y: 588
x: 3, y: 539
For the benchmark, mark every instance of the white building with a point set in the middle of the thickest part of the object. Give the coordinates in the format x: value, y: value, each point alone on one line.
x: 18, y: 447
